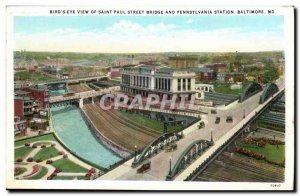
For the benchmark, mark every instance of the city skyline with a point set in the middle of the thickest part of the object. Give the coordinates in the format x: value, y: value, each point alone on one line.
x: 148, y: 34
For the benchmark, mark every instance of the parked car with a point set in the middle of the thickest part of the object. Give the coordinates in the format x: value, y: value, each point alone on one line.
x: 145, y: 167
x: 218, y: 119
x: 213, y: 111
x: 229, y: 119
x: 201, y: 125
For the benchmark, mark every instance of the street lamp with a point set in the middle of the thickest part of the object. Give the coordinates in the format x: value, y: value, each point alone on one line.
x: 170, y: 171
x: 135, y: 152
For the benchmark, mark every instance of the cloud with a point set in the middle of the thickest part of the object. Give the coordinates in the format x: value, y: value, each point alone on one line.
x: 127, y: 36
x: 129, y: 28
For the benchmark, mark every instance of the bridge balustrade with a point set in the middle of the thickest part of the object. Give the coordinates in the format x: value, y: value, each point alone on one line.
x: 155, y: 147
x: 192, y: 152
x: 250, y: 90
x: 269, y: 91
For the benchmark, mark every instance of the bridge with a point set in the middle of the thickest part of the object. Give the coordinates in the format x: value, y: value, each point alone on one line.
x: 79, y: 97
x: 198, y: 146
x: 67, y: 80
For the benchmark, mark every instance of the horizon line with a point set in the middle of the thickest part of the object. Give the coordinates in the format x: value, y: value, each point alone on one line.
x: 150, y: 52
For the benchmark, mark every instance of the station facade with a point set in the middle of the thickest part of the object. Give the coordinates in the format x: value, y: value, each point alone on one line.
x: 157, y: 80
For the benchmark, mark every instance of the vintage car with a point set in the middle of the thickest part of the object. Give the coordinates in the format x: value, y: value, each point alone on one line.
x: 145, y: 167
x: 201, y: 125
x: 218, y: 119
x: 171, y: 147
x: 213, y: 111
x: 229, y: 119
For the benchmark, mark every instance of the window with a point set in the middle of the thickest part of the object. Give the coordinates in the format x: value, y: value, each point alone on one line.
x: 179, y: 88
x: 179, y: 85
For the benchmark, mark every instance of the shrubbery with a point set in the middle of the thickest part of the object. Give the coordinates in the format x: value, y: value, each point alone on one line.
x: 17, y: 169
x: 89, y: 174
x: 56, y: 171
x: 250, y: 153
x: 30, y: 159
x: 49, y: 161
x: 261, y: 142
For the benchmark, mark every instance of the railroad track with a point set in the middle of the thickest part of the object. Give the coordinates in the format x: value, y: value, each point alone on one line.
x: 118, y: 132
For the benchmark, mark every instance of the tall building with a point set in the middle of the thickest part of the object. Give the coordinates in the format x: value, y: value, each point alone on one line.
x: 28, y: 100
x: 150, y: 79
x: 184, y: 61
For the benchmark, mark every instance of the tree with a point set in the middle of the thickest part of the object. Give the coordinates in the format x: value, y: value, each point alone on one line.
x: 203, y: 59
x: 215, y: 73
x: 271, y: 74
x: 268, y: 62
x: 237, y: 61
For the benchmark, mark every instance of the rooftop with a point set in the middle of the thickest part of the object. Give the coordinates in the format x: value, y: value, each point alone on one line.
x: 200, y: 69
x: 39, y: 87
x: 22, y: 98
x: 21, y: 92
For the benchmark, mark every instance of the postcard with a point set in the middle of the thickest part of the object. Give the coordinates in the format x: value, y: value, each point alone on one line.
x: 150, y: 98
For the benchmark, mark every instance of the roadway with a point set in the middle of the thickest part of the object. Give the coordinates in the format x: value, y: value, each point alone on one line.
x: 160, y: 163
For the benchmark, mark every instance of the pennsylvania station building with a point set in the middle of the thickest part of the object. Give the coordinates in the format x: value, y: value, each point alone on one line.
x: 146, y: 80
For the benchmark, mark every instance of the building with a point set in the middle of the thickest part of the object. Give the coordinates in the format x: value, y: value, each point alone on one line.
x: 23, y: 106
x: 218, y: 67
x: 65, y: 76
x: 281, y: 69
x: 40, y: 94
x: 255, y: 77
x: 50, y: 69
x: 20, y: 126
x: 184, y: 61
x: 27, y: 100
x: 114, y: 72
x: 157, y: 80
x: 130, y: 60
x: 231, y: 77
x: 204, y: 74
x: 149, y: 62
x: 202, y: 88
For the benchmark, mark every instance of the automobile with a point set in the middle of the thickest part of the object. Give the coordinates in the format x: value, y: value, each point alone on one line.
x: 213, y: 111
x: 145, y: 167
x: 218, y: 119
x: 201, y: 125
x: 229, y: 119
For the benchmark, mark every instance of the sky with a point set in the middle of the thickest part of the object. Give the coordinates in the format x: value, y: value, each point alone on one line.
x: 146, y: 34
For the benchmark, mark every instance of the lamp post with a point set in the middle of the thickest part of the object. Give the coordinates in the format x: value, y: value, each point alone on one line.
x: 211, y: 136
x: 170, y: 171
x: 135, y: 149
